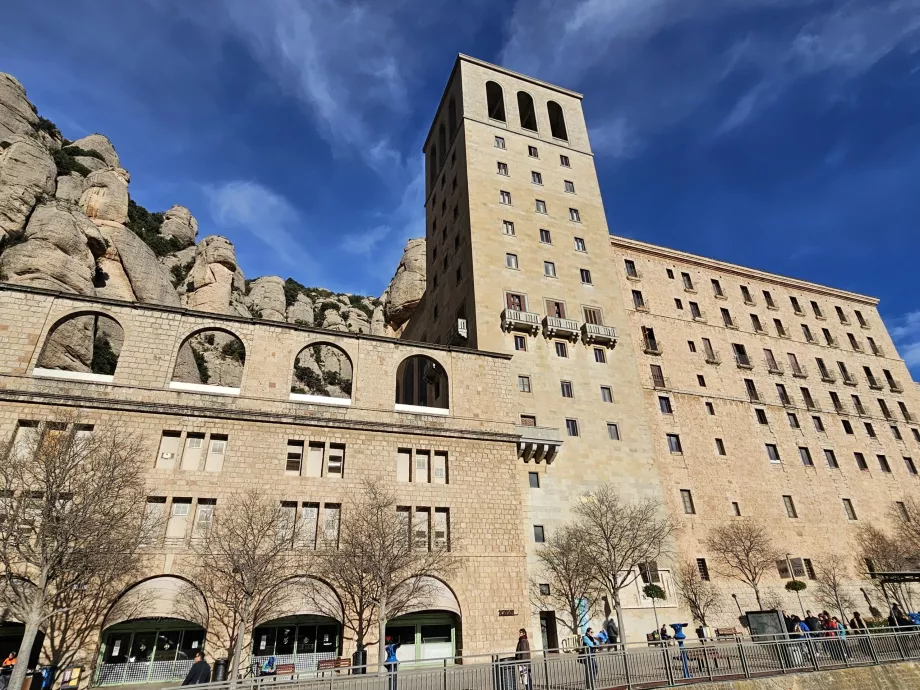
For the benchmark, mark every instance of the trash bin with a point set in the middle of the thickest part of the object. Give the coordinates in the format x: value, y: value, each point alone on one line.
x: 220, y: 671
x: 506, y: 674
x: 359, y: 661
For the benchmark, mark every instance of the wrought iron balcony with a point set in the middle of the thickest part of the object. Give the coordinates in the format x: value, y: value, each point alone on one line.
x: 555, y: 327
x: 849, y: 379
x: 651, y: 347
x: 660, y: 382
x: 895, y: 386
x: 828, y: 376
x: 538, y: 443
x: 873, y: 384
x: 595, y: 333
x: 517, y: 320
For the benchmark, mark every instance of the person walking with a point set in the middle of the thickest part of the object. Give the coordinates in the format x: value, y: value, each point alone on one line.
x: 590, y: 647
x: 200, y: 672
x: 812, y: 622
x: 522, y: 656
x: 391, y: 662
x: 613, y: 632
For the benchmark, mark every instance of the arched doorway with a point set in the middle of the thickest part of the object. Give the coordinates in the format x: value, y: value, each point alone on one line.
x: 302, y: 629
x: 152, y: 633
x: 430, y: 630
x: 421, y: 383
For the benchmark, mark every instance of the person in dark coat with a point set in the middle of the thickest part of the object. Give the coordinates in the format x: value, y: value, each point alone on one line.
x: 522, y: 656
x: 200, y: 672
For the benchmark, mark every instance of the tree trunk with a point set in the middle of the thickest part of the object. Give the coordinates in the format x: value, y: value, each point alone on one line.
x: 615, y: 598
x: 25, y: 647
x: 757, y: 597
x: 238, y: 645
x: 382, y: 634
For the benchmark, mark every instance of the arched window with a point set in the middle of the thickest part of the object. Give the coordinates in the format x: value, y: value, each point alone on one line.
x: 432, y: 165
x: 556, y: 121
x: 421, y: 382
x: 322, y: 373
x: 452, y: 117
x: 442, y: 142
x: 526, y: 111
x: 495, y: 101
x: 85, y: 344
x: 210, y: 358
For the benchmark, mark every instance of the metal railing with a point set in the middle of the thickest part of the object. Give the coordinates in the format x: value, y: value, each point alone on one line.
x: 651, y: 666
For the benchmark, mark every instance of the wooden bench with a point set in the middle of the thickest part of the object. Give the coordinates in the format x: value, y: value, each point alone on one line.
x: 285, y: 670
x: 727, y: 632
x: 333, y: 665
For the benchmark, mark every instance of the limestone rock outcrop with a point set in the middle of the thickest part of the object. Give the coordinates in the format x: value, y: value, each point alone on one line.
x: 27, y: 174
x: 407, y: 286
x: 301, y: 311
x: 211, y: 279
x: 179, y: 223
x: 16, y: 113
x: 266, y: 298
x: 101, y: 145
x: 106, y: 195
x: 70, y: 187
x: 149, y: 280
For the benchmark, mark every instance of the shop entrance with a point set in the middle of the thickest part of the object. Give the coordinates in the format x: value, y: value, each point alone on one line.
x: 148, y: 650
x: 299, y: 640
x: 425, y: 636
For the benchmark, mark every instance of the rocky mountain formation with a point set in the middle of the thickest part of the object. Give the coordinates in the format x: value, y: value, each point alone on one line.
x: 67, y: 222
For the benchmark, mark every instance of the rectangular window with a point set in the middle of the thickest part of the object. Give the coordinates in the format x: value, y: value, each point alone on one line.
x: 593, y: 316
x: 580, y: 245
x: 687, y: 499
x: 539, y: 206
x: 780, y: 329
x: 191, y: 456
x: 702, y: 568
x: 566, y: 387
x: 152, y: 526
x: 848, y: 509
x: 606, y: 394
x: 524, y: 384
x: 404, y: 465
x: 896, y: 433
x: 773, y: 453
x: 768, y: 298
x: 574, y: 215
x: 613, y: 431
x: 691, y: 345
x: 840, y: 315
x: 562, y: 349
x: 585, y: 276
x: 847, y: 427
x: 600, y: 356
x: 638, y: 301
x: 809, y: 401
x: 870, y: 430
x: 790, y: 507
x: 720, y: 446
x: 761, y: 416
x: 549, y: 269
x: 678, y: 304
x: 421, y: 526
x: 545, y: 236
x: 571, y: 427
x: 502, y: 168
x: 532, y: 152
x: 819, y: 425
x: 717, y: 288
x: 170, y: 443
x: 511, y: 261
x: 861, y: 461
x: 294, y: 458
x: 806, y: 331
x: 755, y: 323
x: 817, y: 310
x: 539, y: 534
x: 854, y: 343
x: 911, y: 467
x: 533, y: 479
x: 746, y: 295
x: 564, y: 161
x: 701, y: 380
x: 217, y: 449
x: 795, y: 306
x: 439, y: 468
x: 805, y: 454
x: 695, y: 312
x: 860, y: 318
x: 710, y: 409
x: 674, y: 443
x: 688, y: 281
x: 670, y: 273
x: 793, y: 420
x: 178, y: 520
x: 657, y: 375
x: 736, y: 509
x: 831, y: 459
x: 499, y: 142
x: 528, y: 420
x: 505, y: 197
x: 752, y: 392
x: 536, y: 177
x: 441, y: 535
x: 508, y: 227
x: 520, y: 343
x: 883, y: 464
x: 664, y: 404
x: 204, y: 518
x: 569, y: 186
x: 727, y: 318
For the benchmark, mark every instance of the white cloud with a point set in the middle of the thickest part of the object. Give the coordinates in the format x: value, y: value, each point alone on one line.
x: 364, y: 242
x: 614, y: 138
x: 267, y: 216
x: 906, y: 335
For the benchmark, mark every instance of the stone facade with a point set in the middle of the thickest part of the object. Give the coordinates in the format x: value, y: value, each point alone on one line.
x: 255, y: 422
x: 488, y: 237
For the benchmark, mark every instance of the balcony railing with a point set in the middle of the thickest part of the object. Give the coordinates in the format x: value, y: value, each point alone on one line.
x: 811, y: 404
x: 517, y: 320
x: 651, y: 347
x: 555, y: 327
x: 595, y: 333
x: 743, y: 362
x: 698, y: 316
x: 861, y: 411
x: 635, y: 274
x: 538, y: 443
x: 877, y: 351
x: 799, y: 371
x: 828, y: 376
x: 849, y: 379
x: 895, y: 386
x: 774, y: 367
x: 754, y: 396
x: 712, y: 357
x: 873, y: 384
x: 660, y: 382
x: 640, y: 306
x: 832, y: 342
x: 786, y: 401
x: 838, y: 406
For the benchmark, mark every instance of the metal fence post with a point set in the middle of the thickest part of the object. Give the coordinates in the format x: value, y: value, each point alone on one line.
x: 744, y: 664
x: 897, y: 638
x: 706, y: 658
x: 812, y: 652
x: 626, y: 666
x: 667, y: 666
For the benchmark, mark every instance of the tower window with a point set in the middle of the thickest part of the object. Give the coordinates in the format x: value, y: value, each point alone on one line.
x: 495, y: 100
x: 556, y: 121
x: 526, y: 111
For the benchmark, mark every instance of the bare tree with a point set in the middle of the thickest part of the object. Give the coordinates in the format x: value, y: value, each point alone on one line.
x: 245, y: 561
x: 745, y: 552
x: 701, y: 596
x: 881, y: 552
x: 620, y: 536
x: 382, y: 566
x: 71, y: 522
x: 832, y: 577
x: 569, y: 573
x: 906, y: 518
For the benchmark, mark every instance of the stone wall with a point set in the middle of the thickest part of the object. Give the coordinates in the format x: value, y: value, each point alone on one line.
x: 898, y: 676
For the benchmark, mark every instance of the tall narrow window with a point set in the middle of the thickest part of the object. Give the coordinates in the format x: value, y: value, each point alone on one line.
x: 848, y: 509
x: 495, y: 100
x: 556, y: 121
x: 526, y: 111
x: 790, y: 507
x: 687, y: 499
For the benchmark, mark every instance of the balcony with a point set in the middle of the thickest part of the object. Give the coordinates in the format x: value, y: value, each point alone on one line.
x: 651, y: 347
x: 660, y: 383
x: 517, y: 320
x: 699, y: 316
x: 634, y: 274
x: 729, y: 322
x: 799, y: 371
x: 774, y: 367
x: 909, y: 417
x: 839, y: 408
x: 894, y: 386
x: 641, y: 306
x: 828, y: 377
x: 712, y: 357
x: 786, y: 401
x: 538, y: 443
x: 811, y: 405
x: 458, y: 333
x: 554, y: 327
x: 832, y: 342
x: 877, y: 351
x: 743, y: 362
x: 849, y: 379
x: 595, y: 333
x: 754, y: 395
x: 873, y: 384
x: 861, y: 411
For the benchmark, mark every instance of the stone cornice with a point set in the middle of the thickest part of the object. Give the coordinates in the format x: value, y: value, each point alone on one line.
x: 740, y: 271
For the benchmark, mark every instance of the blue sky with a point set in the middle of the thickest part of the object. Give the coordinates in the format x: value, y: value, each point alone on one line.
x: 780, y: 134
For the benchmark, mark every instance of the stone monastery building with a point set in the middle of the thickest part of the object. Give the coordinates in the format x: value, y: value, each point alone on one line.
x: 546, y: 357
